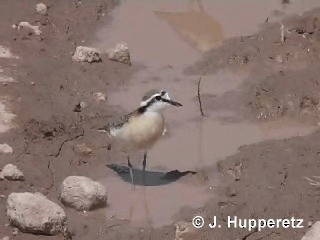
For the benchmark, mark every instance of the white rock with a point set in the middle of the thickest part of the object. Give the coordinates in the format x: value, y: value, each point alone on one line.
x: 83, y: 105
x: 15, y: 231
x: 6, y: 53
x: 34, y: 213
x: 99, y: 96
x: 6, y: 79
x: 82, y: 193
x: 86, y: 54
x: 41, y: 8
x: 11, y: 172
x: 279, y: 59
x: 6, y: 118
x: 120, y: 53
x: 5, y: 148
x: 6, y: 238
x: 35, y: 29
x: 313, y: 233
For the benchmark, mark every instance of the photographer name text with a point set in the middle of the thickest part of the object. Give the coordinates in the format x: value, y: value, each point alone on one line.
x: 250, y: 223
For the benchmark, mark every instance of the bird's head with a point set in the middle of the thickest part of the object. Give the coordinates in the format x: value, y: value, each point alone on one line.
x: 157, y: 100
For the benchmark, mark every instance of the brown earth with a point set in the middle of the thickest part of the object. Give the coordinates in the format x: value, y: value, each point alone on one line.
x: 264, y: 180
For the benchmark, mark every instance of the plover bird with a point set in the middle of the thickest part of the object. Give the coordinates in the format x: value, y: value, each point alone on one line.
x: 140, y: 129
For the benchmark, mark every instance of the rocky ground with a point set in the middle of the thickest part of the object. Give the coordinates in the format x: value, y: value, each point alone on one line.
x: 59, y: 105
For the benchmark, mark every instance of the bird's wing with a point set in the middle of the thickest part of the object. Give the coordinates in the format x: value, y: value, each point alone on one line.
x: 119, y: 122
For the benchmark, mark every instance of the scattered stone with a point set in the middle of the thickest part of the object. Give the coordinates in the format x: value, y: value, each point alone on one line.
x: 6, y: 238
x: 79, y: 106
x: 82, y: 193
x: 83, y: 104
x: 231, y: 192
x: 83, y: 149
x: 100, y: 96
x: 35, y: 29
x: 279, y: 59
x: 34, y: 213
x: 313, y: 233
x: 120, y: 54
x: 15, y: 231
x: 5, y: 148
x: 86, y: 54
x: 6, y: 79
x: 11, y: 172
x: 6, y: 118
x: 164, y: 131
x: 2, y: 196
x: 235, y: 171
x: 41, y: 8
x: 183, y: 229
x: 6, y: 53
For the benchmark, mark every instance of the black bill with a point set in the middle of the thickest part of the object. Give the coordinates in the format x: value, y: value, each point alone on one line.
x: 174, y: 103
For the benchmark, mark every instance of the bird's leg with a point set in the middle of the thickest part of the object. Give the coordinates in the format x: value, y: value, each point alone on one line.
x: 144, y: 163
x: 131, y: 172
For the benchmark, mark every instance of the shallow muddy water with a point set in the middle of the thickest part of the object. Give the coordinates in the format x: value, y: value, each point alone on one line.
x: 172, y: 32
x: 165, y: 37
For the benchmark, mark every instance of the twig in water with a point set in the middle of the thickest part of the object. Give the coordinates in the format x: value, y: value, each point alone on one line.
x: 199, y: 98
x: 283, y: 38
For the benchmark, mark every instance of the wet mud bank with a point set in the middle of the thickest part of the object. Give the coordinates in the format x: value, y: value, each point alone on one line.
x: 283, y: 79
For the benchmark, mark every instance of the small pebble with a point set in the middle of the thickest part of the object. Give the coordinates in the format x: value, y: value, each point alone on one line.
x: 5, y: 148
x: 41, y: 8
x: 100, y: 96
x: 15, y: 232
x: 83, y: 104
x: 230, y: 192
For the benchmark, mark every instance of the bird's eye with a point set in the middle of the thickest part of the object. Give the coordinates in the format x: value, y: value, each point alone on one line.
x: 158, y: 98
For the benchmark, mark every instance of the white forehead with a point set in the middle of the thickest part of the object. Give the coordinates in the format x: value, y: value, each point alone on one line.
x: 166, y: 95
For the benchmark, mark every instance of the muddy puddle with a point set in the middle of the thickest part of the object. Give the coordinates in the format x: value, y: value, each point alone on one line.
x: 161, y: 42
x: 167, y: 31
